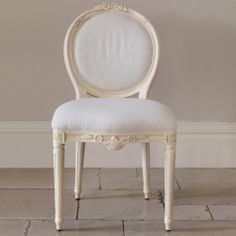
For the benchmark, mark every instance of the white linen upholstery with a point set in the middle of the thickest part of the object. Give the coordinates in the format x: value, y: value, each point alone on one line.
x: 113, y: 52
x: 114, y: 115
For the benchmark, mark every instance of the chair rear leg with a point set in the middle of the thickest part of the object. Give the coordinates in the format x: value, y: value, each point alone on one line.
x: 146, y: 169
x: 79, y: 163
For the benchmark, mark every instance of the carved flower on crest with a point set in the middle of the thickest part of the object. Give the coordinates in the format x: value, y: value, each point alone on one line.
x: 113, y: 5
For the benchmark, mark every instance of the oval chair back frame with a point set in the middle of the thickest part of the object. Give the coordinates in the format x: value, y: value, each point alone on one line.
x: 82, y: 88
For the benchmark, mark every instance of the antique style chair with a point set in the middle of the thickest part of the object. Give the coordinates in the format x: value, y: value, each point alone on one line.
x: 111, y: 53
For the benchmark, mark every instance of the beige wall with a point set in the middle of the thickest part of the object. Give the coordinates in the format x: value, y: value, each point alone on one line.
x: 197, y: 62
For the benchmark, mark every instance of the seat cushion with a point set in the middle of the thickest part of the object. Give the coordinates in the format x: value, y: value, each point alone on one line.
x: 114, y: 116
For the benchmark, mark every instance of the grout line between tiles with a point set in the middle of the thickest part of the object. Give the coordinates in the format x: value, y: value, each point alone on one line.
x: 125, y: 219
x: 86, y: 219
x: 161, y: 198
x: 177, y: 183
x: 112, y: 220
x: 99, y: 178
x: 123, y: 227
x: 28, y: 189
x: 27, y: 228
x: 77, y: 209
x: 32, y: 219
x: 209, y: 211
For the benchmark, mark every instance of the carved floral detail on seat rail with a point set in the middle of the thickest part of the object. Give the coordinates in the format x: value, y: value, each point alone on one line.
x: 112, y: 142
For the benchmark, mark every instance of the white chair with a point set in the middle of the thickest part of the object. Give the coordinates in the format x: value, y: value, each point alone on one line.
x: 111, y: 53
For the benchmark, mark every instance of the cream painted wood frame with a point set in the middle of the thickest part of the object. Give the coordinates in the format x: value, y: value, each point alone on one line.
x: 112, y: 141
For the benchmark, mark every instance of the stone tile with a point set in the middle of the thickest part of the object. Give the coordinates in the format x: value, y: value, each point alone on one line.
x: 90, y: 178
x: 191, y: 213
x: 120, y: 179
x: 203, y: 196
x: 13, y: 227
x: 181, y: 228
x: 206, y: 186
x: 157, y: 178
x: 206, y: 177
x: 131, y: 179
x: 223, y: 212
x: 43, y: 178
x: 77, y: 227
x: 119, y: 205
x: 26, y: 178
x: 33, y: 204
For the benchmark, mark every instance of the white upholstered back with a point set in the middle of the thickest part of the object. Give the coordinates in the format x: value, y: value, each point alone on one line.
x: 110, y: 52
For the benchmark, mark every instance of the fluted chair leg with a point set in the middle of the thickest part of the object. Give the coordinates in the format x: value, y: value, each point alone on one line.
x: 79, y: 163
x: 58, y: 162
x: 146, y: 169
x: 169, y: 183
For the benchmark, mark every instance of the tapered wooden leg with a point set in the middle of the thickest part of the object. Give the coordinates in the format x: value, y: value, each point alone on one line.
x: 79, y: 163
x: 169, y: 180
x: 146, y: 169
x: 58, y: 162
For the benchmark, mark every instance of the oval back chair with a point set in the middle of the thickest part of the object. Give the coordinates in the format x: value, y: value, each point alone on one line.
x: 111, y: 52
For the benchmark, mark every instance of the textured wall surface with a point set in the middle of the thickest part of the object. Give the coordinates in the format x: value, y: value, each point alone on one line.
x: 197, y: 68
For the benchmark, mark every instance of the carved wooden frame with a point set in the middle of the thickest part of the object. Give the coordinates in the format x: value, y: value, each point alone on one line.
x: 82, y: 89
x: 112, y: 141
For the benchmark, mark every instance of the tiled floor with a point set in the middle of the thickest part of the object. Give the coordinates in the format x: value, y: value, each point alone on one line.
x: 112, y: 203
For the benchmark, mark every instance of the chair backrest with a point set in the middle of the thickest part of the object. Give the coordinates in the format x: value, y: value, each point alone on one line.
x: 111, y: 51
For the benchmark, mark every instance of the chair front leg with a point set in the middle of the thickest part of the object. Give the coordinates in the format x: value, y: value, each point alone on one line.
x: 146, y: 169
x: 58, y: 162
x: 170, y: 147
x: 79, y: 163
